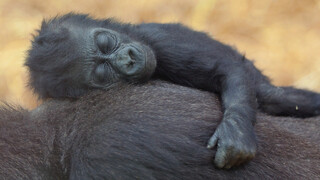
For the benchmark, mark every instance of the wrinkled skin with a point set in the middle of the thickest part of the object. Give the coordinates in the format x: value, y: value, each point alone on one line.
x: 75, y: 53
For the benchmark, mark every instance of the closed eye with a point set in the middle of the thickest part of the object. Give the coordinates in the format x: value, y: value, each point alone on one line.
x: 105, y: 42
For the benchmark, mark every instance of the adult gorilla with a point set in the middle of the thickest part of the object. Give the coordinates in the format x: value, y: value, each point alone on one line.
x: 154, y: 131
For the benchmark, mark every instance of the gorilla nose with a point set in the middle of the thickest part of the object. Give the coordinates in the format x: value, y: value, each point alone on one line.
x: 129, y: 61
x: 128, y: 56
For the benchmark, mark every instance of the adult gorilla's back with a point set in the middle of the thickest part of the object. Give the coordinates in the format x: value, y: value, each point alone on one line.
x: 152, y: 131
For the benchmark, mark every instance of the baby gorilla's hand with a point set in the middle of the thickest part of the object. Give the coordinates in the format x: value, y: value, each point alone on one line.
x: 236, y: 143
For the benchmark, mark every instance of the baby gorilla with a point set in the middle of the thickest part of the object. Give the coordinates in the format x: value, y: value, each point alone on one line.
x: 74, y: 53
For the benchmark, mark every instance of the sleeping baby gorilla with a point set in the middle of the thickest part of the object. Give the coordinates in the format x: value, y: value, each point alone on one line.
x: 74, y: 53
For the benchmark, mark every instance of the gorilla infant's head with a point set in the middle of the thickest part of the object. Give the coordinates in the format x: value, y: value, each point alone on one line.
x: 74, y: 53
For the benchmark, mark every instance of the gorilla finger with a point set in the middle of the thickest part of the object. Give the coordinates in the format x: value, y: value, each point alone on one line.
x: 220, y: 158
x: 212, y: 141
x: 233, y: 159
x: 245, y: 159
x: 231, y: 164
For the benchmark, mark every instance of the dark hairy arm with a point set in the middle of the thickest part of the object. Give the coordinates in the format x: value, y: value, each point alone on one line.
x: 193, y: 59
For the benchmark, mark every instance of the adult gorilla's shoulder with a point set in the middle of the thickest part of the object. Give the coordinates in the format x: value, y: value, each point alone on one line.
x: 124, y: 134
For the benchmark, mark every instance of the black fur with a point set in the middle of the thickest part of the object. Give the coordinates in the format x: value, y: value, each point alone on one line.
x: 64, y: 60
x: 155, y: 131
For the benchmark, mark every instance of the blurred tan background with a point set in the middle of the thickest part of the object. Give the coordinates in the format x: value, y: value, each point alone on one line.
x: 283, y: 37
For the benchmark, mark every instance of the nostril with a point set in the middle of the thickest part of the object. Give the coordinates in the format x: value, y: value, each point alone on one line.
x: 131, y: 55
